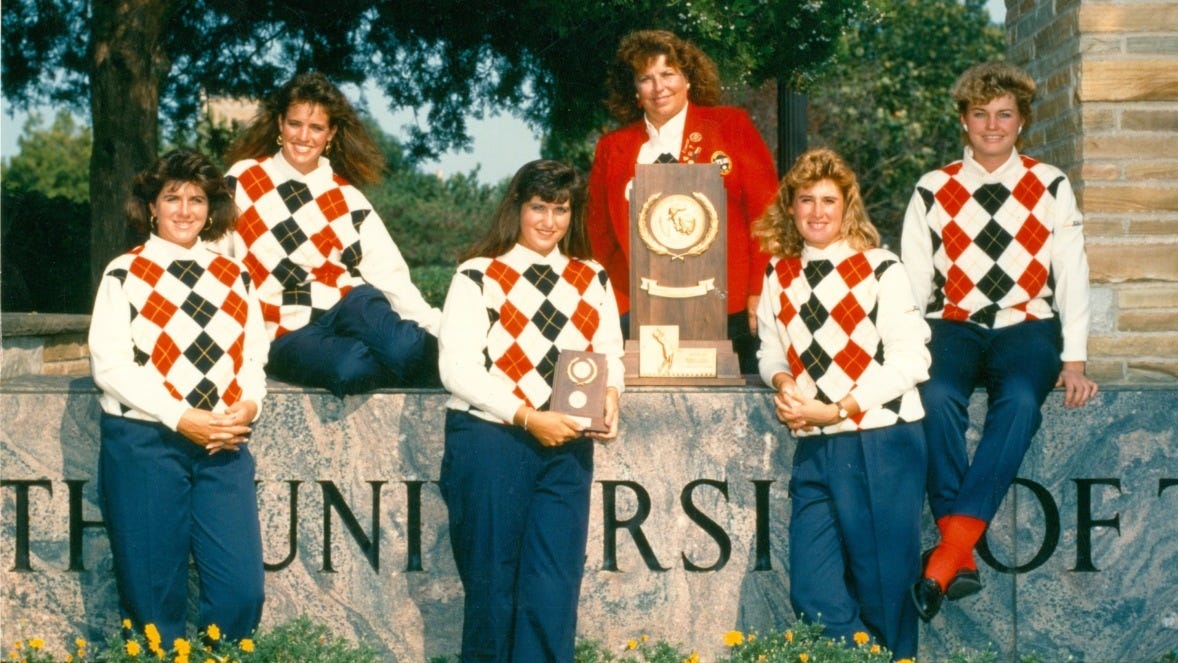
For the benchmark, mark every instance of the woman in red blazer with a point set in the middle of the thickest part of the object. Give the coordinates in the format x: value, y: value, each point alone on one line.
x: 665, y: 90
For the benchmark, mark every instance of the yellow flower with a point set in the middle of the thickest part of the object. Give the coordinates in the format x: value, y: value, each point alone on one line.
x: 155, y: 648
x: 182, y: 647
x: 694, y: 658
x: 126, y: 623
x: 36, y: 643
x: 862, y: 638
x: 214, y: 633
x: 875, y: 649
x: 181, y: 658
x: 246, y: 645
x: 631, y: 644
x: 80, y: 642
x: 645, y: 637
x: 132, y: 648
x: 803, y: 657
x: 752, y: 637
x: 905, y: 660
x: 69, y: 658
x: 152, y: 633
x: 789, y: 636
x: 733, y: 638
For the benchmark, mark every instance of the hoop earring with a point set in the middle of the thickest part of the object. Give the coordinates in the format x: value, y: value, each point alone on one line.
x: 279, y: 140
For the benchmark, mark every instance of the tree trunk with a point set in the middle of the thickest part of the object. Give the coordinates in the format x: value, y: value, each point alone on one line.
x: 127, y: 66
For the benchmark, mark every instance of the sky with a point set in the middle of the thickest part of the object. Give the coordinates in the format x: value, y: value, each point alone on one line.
x: 501, y: 143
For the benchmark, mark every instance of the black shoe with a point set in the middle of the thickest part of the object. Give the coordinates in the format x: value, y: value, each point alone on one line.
x: 927, y: 596
x: 966, y: 582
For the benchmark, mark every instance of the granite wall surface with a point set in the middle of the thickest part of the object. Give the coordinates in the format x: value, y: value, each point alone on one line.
x: 688, y: 532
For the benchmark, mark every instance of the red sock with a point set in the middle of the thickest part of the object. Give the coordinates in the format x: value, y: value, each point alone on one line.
x: 959, y: 535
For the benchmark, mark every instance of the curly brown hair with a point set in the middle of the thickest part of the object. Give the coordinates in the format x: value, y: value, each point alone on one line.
x: 776, y: 228
x: 353, y: 154
x: 173, y: 169
x: 553, y: 182
x: 635, y: 52
x: 985, y: 82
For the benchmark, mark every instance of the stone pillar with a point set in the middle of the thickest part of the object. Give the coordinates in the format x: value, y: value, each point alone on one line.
x: 1107, y: 113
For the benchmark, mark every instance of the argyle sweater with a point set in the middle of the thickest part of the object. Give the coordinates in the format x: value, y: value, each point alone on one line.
x: 506, y: 320
x: 996, y: 249
x: 173, y: 329
x: 309, y: 239
x: 843, y: 322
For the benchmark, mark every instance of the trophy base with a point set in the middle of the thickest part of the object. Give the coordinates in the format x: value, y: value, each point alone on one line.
x: 725, y: 374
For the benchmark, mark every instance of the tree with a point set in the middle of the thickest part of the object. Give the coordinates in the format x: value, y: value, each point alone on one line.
x: 883, y: 99
x: 54, y: 161
x: 539, y: 59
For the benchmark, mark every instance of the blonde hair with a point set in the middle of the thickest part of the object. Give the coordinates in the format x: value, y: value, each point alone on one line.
x: 777, y: 230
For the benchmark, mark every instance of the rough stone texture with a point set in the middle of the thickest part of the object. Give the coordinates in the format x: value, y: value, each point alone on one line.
x: 1163, y: 296
x: 21, y: 356
x: 1112, y: 263
x: 1148, y: 321
x: 382, y: 444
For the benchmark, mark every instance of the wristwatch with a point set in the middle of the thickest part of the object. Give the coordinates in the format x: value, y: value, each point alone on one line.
x: 842, y: 411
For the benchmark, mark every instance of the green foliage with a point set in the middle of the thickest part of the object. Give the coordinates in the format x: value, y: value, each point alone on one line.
x: 45, y: 244
x: 453, y: 59
x: 432, y: 219
x: 54, y: 161
x: 883, y: 100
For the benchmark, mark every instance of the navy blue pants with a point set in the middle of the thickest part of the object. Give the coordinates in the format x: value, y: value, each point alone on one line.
x: 854, y: 533
x: 1018, y: 366
x: 519, y: 519
x: 358, y: 345
x: 165, y: 499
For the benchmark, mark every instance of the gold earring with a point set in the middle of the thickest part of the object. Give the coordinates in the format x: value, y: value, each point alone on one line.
x: 327, y: 148
x: 153, y: 223
x: 278, y: 140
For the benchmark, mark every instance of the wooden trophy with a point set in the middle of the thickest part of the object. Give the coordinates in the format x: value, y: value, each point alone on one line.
x: 679, y: 278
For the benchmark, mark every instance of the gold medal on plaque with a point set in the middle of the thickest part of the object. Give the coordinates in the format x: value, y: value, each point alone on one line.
x: 678, y: 225
x: 578, y: 388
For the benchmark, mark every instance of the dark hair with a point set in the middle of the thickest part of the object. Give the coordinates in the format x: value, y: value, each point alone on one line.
x: 985, y: 82
x: 777, y: 229
x: 551, y: 181
x: 179, y: 167
x: 635, y: 52
x: 352, y: 152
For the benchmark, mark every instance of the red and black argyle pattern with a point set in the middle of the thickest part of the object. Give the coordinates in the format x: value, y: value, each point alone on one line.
x: 991, y: 243
x: 303, y: 241
x: 828, y: 310
x: 535, y: 313
x: 188, y: 322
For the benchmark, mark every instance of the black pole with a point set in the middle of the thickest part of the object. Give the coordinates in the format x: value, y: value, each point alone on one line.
x: 791, y: 125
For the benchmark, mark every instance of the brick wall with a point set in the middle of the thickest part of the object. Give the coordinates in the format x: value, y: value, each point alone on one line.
x: 1107, y: 113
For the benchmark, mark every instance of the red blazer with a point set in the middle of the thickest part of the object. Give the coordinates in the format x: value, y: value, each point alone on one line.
x: 709, y: 134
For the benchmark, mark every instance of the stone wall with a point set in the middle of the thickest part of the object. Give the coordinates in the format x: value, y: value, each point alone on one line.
x: 44, y: 344
x: 688, y: 526
x: 1107, y: 113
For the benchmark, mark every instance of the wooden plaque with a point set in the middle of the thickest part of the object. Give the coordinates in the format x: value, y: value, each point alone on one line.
x: 679, y: 274
x: 578, y: 388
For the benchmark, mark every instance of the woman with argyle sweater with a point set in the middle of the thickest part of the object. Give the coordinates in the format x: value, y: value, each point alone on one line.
x: 340, y: 308
x: 843, y: 346
x: 994, y: 247
x: 177, y: 348
x: 515, y: 475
